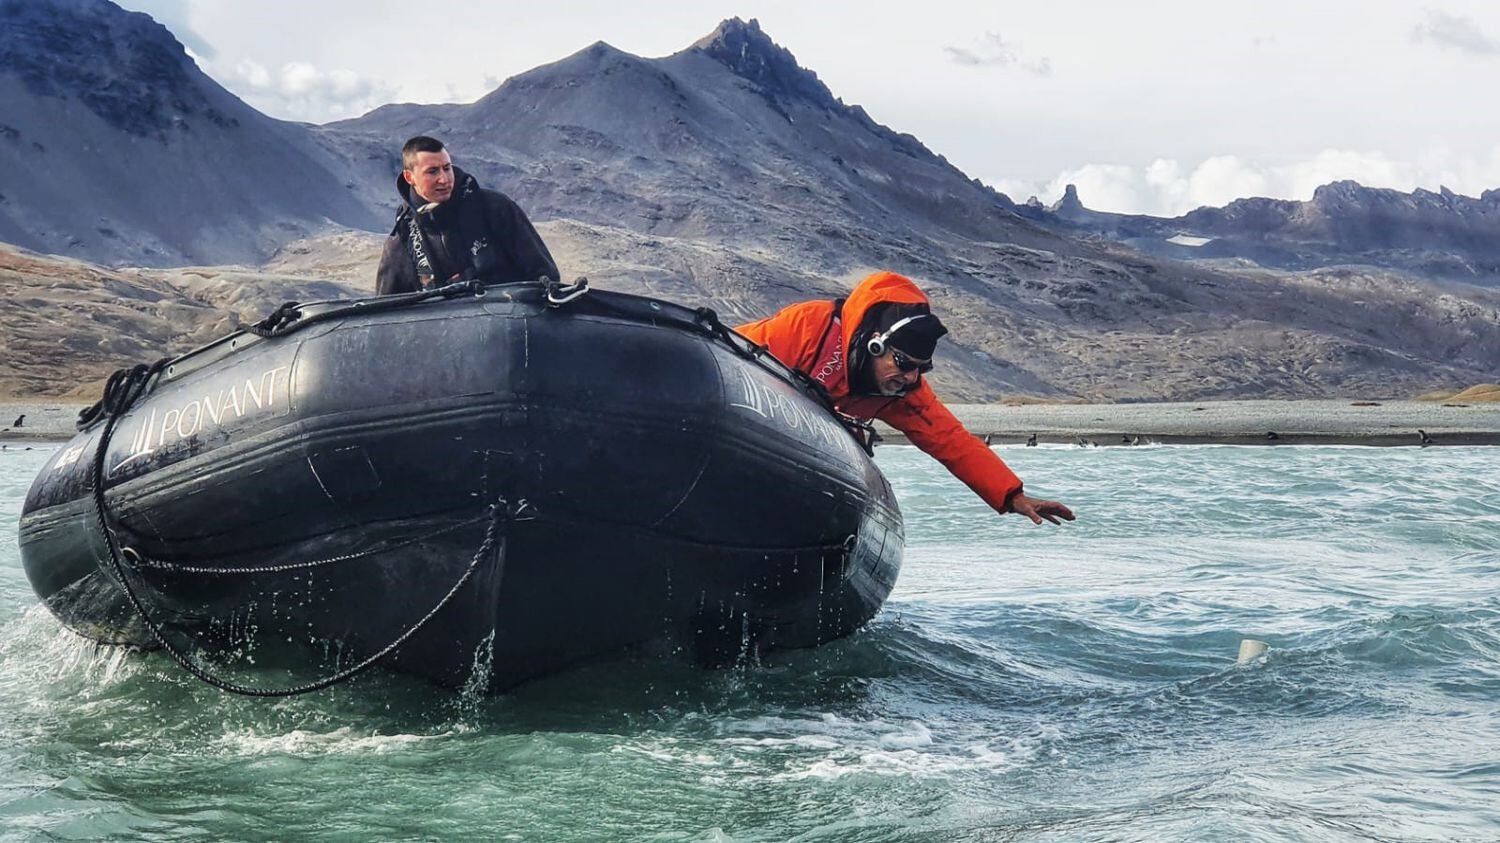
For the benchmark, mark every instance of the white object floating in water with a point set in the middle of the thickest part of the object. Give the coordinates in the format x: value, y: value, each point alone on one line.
x: 1250, y: 650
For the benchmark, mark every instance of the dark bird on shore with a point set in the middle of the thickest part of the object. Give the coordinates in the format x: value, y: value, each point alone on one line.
x: 1271, y: 434
x: 1426, y: 440
x: 19, y: 420
x: 988, y: 437
x: 1031, y: 443
x: 1135, y: 440
x: 1082, y: 443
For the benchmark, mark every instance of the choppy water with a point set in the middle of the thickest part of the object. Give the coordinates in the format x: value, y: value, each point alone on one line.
x: 1022, y: 684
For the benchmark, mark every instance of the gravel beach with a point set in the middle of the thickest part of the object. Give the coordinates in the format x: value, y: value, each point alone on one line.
x: 43, y: 421
x: 1229, y: 422
x: 1328, y: 422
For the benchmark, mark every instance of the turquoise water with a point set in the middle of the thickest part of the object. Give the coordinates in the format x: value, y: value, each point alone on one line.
x: 1023, y: 683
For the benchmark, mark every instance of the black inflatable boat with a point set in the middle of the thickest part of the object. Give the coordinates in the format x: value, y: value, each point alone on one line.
x: 478, y: 485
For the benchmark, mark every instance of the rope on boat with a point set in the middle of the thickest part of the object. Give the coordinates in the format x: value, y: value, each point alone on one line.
x: 292, y: 316
x: 123, y: 388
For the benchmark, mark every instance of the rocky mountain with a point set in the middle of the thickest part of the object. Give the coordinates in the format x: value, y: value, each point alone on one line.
x: 1433, y: 235
x: 729, y: 139
x: 116, y: 147
x: 66, y: 324
x: 728, y: 175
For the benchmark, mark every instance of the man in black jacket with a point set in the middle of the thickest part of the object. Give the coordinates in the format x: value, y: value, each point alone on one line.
x: 449, y: 229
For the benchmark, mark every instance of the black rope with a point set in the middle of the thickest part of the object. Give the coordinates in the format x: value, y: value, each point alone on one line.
x: 171, y: 567
x: 125, y: 386
x: 279, y: 319
x: 122, y: 389
x: 290, y: 316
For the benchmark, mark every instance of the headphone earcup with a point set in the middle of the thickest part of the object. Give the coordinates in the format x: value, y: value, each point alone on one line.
x: 876, y: 346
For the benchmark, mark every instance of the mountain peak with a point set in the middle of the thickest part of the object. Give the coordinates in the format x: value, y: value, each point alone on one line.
x: 731, y: 28
x: 751, y: 54
x: 124, y: 66
x: 1069, y: 205
x: 1344, y: 190
x: 602, y: 49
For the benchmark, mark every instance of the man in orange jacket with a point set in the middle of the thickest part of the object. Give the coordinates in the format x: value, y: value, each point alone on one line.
x: 870, y: 352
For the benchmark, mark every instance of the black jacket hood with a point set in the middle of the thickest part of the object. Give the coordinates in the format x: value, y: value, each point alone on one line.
x: 464, y: 186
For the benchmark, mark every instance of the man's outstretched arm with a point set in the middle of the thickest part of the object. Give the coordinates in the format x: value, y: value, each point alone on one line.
x: 932, y: 427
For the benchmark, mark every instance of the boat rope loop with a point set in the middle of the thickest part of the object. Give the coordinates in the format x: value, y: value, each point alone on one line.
x: 559, y: 294
x: 121, y: 391
x: 123, y: 387
x: 278, y: 320
x: 290, y: 316
x: 141, y: 560
x: 709, y: 319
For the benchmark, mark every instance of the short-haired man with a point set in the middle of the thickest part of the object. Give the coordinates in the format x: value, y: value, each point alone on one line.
x: 450, y: 229
x: 870, y: 352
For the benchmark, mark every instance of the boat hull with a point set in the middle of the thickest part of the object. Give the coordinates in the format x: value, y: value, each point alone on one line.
x: 320, y: 493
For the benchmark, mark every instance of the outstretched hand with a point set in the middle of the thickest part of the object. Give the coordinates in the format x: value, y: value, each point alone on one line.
x: 1037, y: 509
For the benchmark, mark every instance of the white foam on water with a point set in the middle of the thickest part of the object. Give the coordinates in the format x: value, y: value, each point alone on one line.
x: 671, y: 750
x: 925, y: 761
x: 298, y: 742
x: 831, y: 747
x: 801, y: 742
x: 906, y: 762
x: 37, y: 651
x: 917, y: 735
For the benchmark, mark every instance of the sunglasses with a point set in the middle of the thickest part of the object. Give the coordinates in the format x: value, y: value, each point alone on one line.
x: 906, y: 364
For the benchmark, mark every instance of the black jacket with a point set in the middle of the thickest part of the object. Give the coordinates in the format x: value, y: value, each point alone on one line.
x: 477, y: 233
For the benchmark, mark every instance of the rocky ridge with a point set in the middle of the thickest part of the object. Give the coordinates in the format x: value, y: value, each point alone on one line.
x: 1433, y: 235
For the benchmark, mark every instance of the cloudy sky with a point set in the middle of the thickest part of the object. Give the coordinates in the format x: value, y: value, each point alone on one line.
x: 1148, y: 106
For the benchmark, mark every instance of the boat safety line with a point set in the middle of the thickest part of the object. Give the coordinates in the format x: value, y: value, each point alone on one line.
x: 123, y: 388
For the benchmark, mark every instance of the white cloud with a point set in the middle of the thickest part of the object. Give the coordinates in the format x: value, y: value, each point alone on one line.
x: 302, y: 91
x: 1225, y: 178
x: 1166, y: 187
x: 1454, y: 32
x: 175, y: 16
x: 992, y: 50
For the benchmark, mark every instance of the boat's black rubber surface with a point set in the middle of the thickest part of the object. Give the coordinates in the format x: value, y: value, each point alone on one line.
x: 305, y: 499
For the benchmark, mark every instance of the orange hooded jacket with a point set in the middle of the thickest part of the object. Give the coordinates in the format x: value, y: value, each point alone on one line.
x: 801, y: 336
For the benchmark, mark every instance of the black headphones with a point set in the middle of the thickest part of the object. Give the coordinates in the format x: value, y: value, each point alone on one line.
x: 877, y: 344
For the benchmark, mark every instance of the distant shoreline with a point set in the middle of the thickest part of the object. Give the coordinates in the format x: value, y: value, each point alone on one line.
x: 1263, y: 422
x: 1303, y: 422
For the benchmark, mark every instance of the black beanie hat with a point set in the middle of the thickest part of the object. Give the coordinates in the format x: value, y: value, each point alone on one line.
x: 918, y: 337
